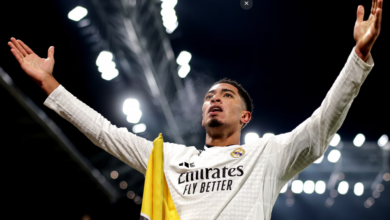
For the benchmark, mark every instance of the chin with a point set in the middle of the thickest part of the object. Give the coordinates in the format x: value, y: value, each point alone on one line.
x: 213, y: 123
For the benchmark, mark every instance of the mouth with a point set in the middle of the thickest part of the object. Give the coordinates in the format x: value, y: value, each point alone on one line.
x: 215, y: 110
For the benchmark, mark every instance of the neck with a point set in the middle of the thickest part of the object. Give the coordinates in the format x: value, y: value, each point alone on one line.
x: 215, y: 137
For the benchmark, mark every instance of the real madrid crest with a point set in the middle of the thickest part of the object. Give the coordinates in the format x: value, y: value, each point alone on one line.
x: 239, y: 152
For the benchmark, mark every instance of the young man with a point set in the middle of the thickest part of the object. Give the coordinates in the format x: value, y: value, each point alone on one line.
x: 226, y: 180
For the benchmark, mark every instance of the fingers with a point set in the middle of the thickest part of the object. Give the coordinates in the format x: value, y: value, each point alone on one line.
x: 17, y: 55
x: 20, y: 48
x: 50, y: 52
x: 380, y: 4
x: 378, y: 19
x: 374, y: 5
x: 360, y: 14
x: 378, y: 15
x: 25, y: 47
x: 15, y: 51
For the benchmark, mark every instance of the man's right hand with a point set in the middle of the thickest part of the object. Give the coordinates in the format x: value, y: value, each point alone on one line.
x: 38, y: 69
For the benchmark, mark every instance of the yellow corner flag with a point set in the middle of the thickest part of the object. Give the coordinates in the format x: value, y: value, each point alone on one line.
x: 157, y: 203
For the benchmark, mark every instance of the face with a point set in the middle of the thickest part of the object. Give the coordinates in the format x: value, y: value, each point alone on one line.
x: 223, y: 106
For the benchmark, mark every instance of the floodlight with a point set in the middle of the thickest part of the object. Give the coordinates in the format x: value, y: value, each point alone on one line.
x: 110, y: 74
x: 139, y: 128
x: 251, y: 137
x: 320, y: 187
x: 335, y: 140
x: 334, y: 156
x: 383, y: 140
x: 359, y: 140
x: 343, y: 187
x: 358, y: 189
x: 184, y: 70
x: 297, y: 186
x: 77, y: 13
x: 308, y: 187
x: 134, y: 116
x: 104, y: 57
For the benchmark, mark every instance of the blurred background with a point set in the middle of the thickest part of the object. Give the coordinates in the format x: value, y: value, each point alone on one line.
x: 146, y: 65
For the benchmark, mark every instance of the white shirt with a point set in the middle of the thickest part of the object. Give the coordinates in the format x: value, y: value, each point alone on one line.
x: 214, y: 183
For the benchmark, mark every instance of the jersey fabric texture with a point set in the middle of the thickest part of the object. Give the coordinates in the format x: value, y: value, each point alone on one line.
x: 236, y: 182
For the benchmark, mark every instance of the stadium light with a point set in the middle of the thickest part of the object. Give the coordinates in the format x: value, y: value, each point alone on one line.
x: 308, y: 187
x: 284, y: 189
x: 168, y: 3
x: 130, y: 104
x: 319, y: 160
x: 359, y: 140
x: 358, y: 189
x: 383, y: 140
x: 110, y: 74
x: 104, y: 57
x: 131, y: 109
x: 134, y: 116
x: 184, y: 70
x: 139, y: 128
x: 297, y: 186
x: 266, y: 135
x: 169, y: 29
x: 184, y: 58
x: 106, y: 66
x: 334, y: 156
x: 343, y: 187
x: 168, y: 14
x: 77, y: 13
x: 320, y: 187
x: 335, y: 140
x: 251, y: 137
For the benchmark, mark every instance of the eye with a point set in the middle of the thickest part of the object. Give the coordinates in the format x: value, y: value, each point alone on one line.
x: 227, y: 94
x: 207, y: 97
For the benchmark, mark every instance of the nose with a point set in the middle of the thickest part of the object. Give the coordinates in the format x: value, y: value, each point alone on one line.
x: 215, y: 98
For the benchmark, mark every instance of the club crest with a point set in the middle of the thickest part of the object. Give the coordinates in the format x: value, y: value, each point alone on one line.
x: 239, y: 152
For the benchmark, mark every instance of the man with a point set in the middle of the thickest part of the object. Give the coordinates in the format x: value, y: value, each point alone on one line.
x: 226, y: 180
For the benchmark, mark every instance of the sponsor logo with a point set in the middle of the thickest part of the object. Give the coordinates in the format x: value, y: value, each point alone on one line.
x: 218, y: 179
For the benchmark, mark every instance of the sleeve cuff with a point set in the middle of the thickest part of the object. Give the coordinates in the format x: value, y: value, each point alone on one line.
x: 53, y: 95
x: 369, y: 64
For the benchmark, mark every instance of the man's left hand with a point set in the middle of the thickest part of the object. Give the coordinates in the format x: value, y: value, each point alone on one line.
x: 366, y: 32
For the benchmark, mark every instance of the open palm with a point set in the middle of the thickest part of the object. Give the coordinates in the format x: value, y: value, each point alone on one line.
x: 36, y: 68
x: 366, y: 32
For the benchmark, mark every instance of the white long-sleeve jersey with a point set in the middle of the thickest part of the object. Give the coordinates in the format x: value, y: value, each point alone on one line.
x: 235, y: 182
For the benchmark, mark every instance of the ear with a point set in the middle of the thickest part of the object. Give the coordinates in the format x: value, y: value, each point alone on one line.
x: 246, y: 117
x: 202, y: 121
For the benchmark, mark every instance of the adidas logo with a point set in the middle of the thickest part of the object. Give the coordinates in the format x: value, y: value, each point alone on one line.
x: 187, y: 164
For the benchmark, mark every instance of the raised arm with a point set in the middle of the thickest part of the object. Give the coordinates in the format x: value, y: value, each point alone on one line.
x: 294, y: 151
x: 119, y: 142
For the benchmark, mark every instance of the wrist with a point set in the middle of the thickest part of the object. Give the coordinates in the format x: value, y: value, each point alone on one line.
x: 362, y: 54
x: 49, y: 84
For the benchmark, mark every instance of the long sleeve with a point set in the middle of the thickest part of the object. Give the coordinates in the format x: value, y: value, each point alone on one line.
x: 119, y: 142
x: 294, y: 151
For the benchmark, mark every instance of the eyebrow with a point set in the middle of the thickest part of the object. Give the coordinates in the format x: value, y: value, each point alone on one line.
x: 223, y: 90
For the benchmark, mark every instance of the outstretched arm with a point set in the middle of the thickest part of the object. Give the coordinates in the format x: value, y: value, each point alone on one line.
x: 119, y: 142
x: 292, y: 152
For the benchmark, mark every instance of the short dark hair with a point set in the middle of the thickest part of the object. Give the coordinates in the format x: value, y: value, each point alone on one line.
x: 241, y: 91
